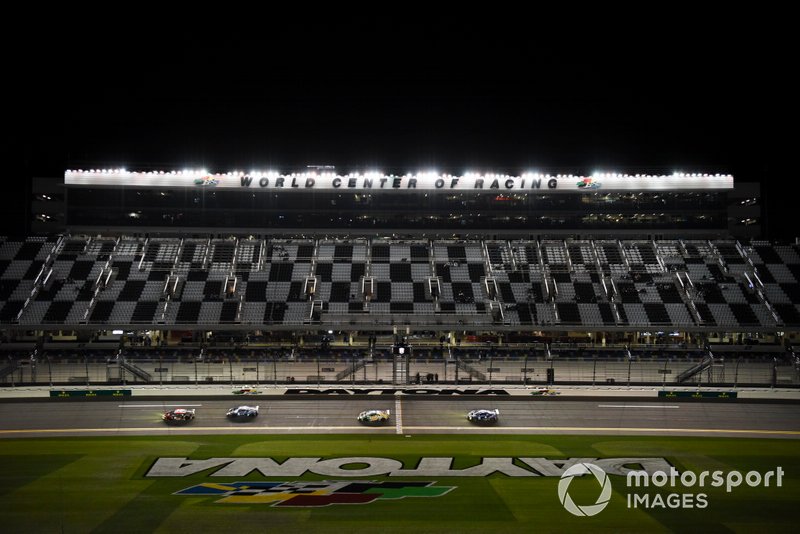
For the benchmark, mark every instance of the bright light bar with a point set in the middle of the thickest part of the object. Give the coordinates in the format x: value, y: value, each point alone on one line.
x: 426, y: 180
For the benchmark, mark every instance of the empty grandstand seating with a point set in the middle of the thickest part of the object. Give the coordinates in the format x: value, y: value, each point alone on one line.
x: 75, y: 280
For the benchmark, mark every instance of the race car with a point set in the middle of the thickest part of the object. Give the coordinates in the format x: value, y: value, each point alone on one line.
x: 484, y: 417
x: 243, y: 412
x: 373, y: 417
x: 178, y: 415
x: 539, y: 392
x: 246, y: 390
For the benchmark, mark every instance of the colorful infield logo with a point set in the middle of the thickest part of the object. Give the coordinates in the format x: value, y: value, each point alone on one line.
x: 316, y: 493
x: 589, y: 183
x: 206, y: 181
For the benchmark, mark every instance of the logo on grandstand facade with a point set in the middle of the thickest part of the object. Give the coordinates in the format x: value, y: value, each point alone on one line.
x: 316, y: 493
x: 589, y: 183
x: 206, y: 181
x: 580, y: 470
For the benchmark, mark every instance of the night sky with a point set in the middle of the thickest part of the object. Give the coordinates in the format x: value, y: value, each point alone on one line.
x: 451, y: 98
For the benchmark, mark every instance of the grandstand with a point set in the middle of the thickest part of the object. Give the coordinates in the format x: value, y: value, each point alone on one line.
x: 102, y: 303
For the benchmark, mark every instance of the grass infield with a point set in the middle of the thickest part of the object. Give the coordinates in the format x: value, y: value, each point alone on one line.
x: 99, y: 485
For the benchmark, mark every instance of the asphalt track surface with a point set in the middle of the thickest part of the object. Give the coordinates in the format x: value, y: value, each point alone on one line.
x: 408, y: 416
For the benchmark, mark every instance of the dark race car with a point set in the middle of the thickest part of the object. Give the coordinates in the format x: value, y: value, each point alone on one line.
x: 178, y: 415
x: 373, y: 417
x: 484, y: 417
x: 243, y: 412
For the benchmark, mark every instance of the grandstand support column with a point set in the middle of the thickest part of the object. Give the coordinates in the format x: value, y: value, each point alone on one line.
x: 50, y: 371
x: 711, y: 369
x: 525, y: 369
x: 318, y: 370
x: 11, y: 364
x: 736, y: 372
x: 120, y: 362
x: 258, y: 358
x: 699, y: 379
x: 774, y: 371
x: 664, y: 373
x: 491, y: 362
x: 86, y: 364
x: 796, y: 362
x: 274, y: 370
x: 451, y: 358
x: 160, y: 369
x: 230, y: 367
x: 594, y: 368
x: 630, y: 361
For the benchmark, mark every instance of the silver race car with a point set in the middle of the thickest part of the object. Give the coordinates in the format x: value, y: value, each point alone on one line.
x: 484, y: 417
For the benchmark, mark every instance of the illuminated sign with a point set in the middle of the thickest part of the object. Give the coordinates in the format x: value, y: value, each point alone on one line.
x: 373, y: 181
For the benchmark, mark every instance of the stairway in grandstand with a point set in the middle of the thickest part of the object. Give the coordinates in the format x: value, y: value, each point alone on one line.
x: 695, y: 369
x: 136, y: 371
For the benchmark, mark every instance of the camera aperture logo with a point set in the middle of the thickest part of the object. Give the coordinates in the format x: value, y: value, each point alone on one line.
x: 580, y: 470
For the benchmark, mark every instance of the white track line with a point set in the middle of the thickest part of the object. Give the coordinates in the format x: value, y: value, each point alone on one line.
x: 398, y: 415
x: 540, y: 429
x: 636, y: 406
x: 318, y: 429
x: 196, y: 430
x: 152, y: 405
